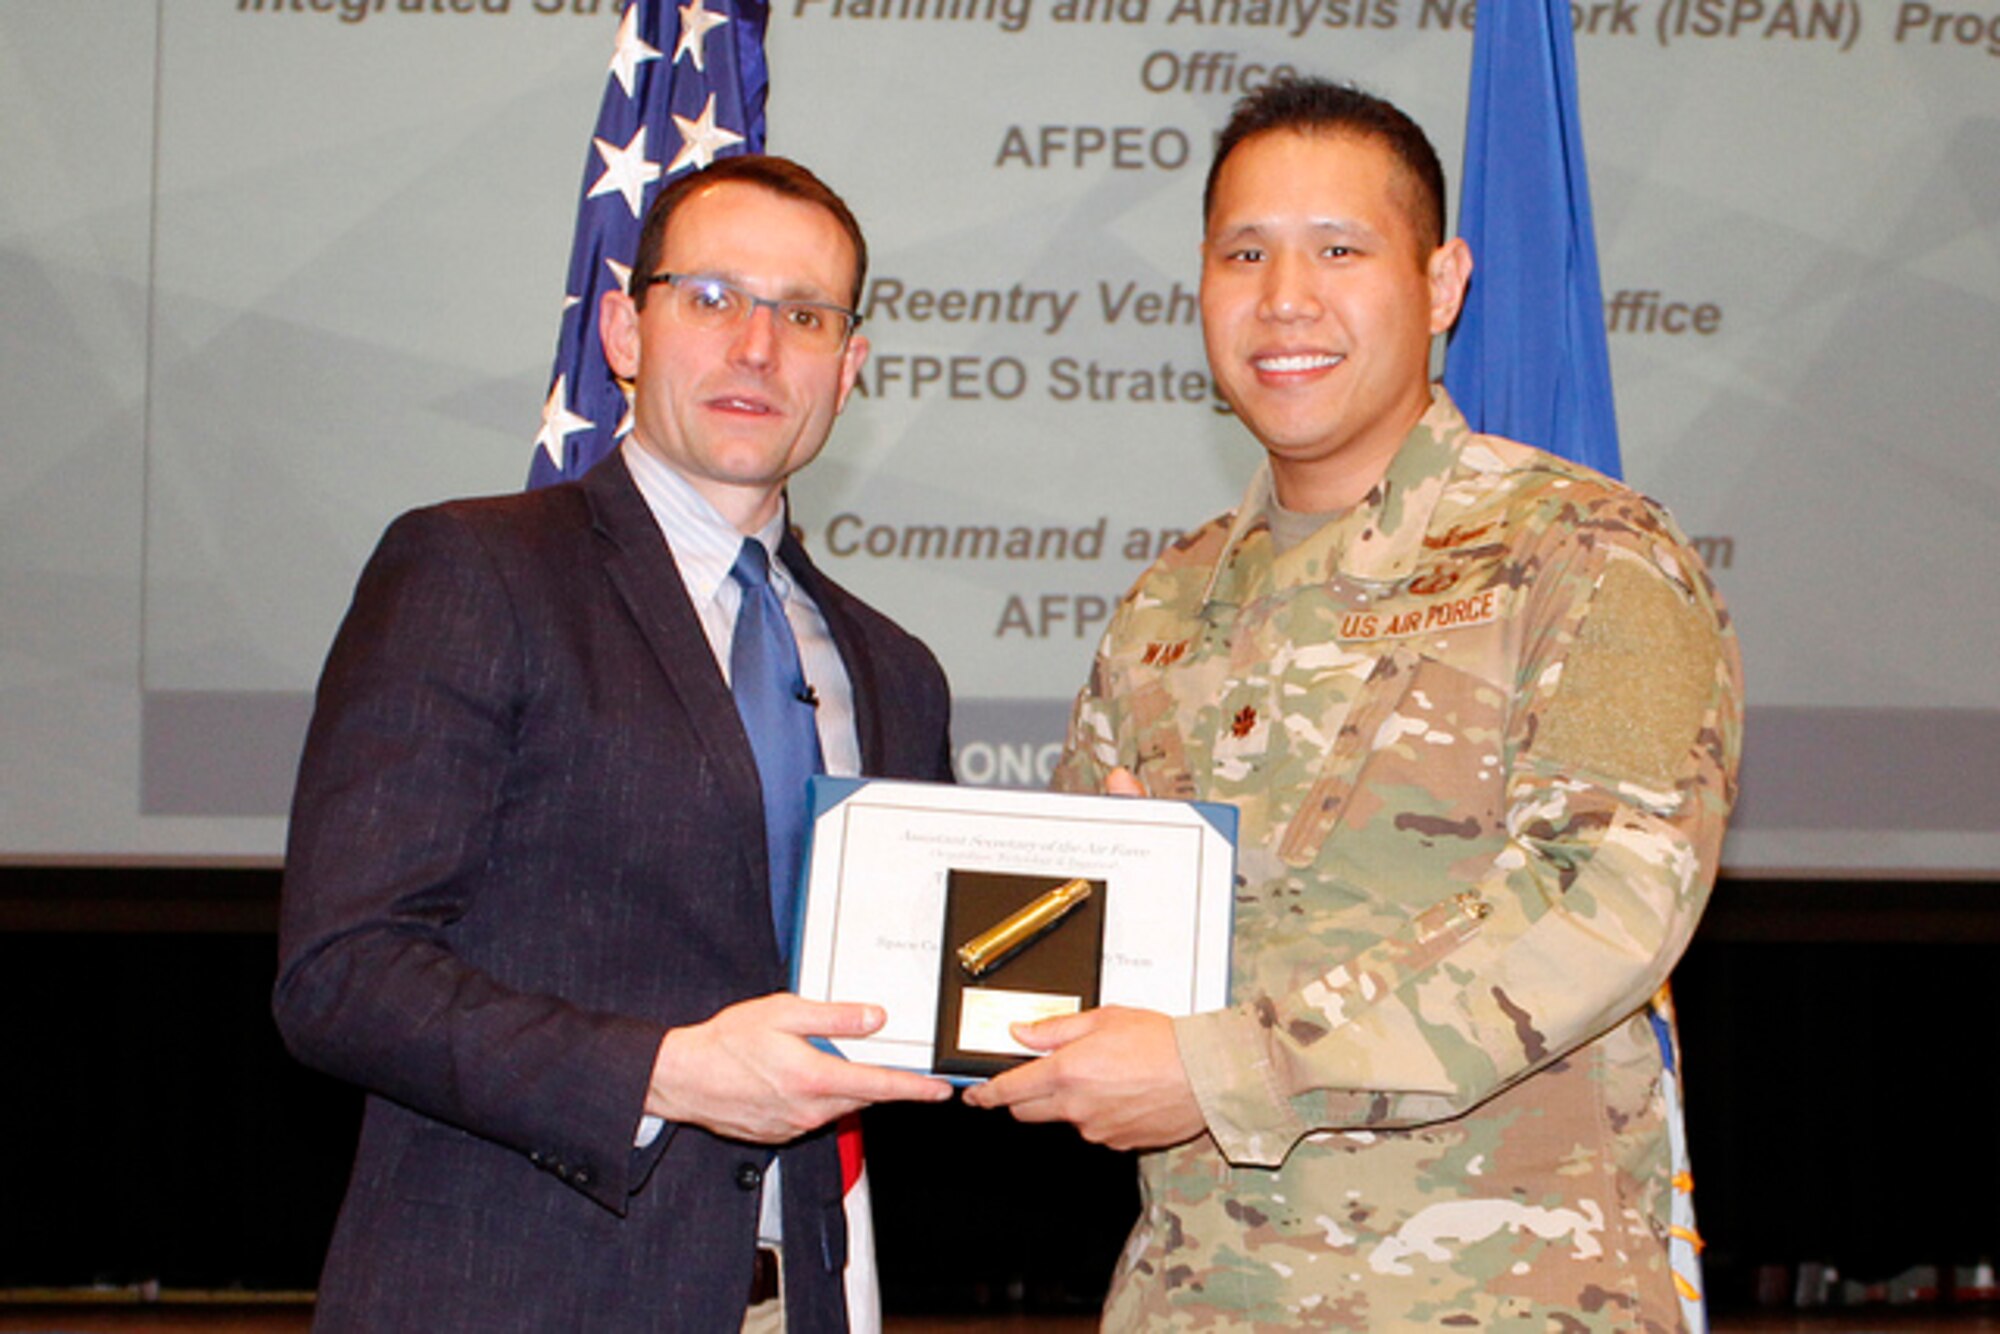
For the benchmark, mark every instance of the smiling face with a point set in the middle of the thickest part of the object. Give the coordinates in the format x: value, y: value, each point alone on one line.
x: 736, y: 411
x: 1319, y: 299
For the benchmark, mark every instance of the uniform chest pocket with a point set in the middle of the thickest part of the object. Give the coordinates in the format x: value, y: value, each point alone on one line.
x: 1417, y: 770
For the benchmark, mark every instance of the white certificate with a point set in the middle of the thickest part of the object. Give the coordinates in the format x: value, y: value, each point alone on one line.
x: 881, y: 851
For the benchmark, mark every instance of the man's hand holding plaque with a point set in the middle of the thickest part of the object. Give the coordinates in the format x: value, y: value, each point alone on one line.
x: 966, y: 913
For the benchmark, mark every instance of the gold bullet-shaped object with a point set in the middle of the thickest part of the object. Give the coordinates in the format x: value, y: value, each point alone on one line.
x: 999, y: 943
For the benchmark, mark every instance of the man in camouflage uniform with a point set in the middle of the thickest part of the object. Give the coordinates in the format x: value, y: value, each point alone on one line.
x: 1479, y: 709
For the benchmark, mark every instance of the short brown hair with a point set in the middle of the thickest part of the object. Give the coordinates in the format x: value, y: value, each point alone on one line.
x: 779, y: 175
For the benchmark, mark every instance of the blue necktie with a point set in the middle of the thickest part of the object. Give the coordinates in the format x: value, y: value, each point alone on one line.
x: 776, y: 706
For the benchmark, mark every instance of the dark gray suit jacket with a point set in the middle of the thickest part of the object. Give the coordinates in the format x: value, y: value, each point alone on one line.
x: 527, y: 839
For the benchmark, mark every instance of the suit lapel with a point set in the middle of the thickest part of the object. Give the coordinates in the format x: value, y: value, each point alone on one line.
x: 641, y: 567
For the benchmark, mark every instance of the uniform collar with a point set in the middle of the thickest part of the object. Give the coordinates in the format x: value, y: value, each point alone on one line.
x: 1378, y: 541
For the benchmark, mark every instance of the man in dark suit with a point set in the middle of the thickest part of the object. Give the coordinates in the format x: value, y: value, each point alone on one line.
x: 528, y: 902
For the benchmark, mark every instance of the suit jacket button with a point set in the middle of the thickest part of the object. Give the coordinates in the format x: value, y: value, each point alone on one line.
x: 581, y: 1176
x: 749, y: 1176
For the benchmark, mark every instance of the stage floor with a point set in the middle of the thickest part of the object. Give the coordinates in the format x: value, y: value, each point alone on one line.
x: 294, y: 1318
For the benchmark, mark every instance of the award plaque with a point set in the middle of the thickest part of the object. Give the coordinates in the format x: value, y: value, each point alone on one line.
x: 963, y: 911
x: 1016, y: 948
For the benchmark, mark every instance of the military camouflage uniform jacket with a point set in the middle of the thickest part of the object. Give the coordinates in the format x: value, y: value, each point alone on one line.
x: 1482, y: 731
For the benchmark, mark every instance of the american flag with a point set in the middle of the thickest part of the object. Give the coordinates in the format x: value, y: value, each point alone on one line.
x: 687, y: 85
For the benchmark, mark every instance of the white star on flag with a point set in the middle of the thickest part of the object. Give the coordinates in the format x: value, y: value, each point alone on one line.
x: 625, y: 421
x: 621, y: 274
x: 695, y: 24
x: 631, y: 51
x: 701, y: 140
x: 558, y: 422
x: 627, y: 170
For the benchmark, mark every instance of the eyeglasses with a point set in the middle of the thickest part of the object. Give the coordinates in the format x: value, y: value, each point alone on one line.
x: 710, y: 303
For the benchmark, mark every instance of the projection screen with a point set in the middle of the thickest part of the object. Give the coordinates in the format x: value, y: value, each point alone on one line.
x: 276, y: 270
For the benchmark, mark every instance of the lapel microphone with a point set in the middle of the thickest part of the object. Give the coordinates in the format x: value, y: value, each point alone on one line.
x: 807, y: 696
